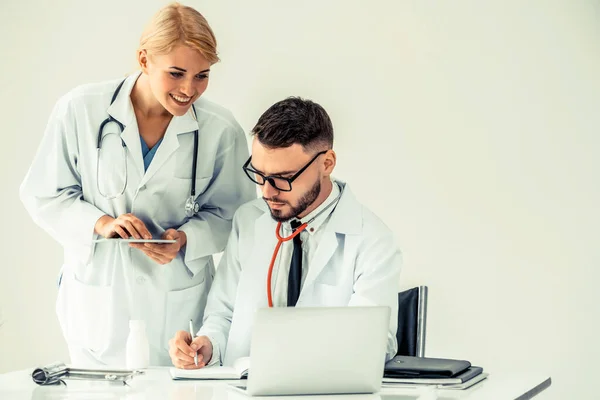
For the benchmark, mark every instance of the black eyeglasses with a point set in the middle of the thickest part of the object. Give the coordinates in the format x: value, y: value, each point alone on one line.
x: 278, y: 182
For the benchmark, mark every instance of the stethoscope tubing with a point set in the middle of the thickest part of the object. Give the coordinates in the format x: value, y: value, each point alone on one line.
x: 122, y: 127
x: 281, y: 239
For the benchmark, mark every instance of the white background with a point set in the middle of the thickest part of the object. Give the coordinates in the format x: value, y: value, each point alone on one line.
x: 470, y: 127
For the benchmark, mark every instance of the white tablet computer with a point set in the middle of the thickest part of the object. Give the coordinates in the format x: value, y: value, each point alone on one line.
x: 134, y: 240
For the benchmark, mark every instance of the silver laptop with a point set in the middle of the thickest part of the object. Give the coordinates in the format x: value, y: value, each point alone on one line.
x: 325, y: 350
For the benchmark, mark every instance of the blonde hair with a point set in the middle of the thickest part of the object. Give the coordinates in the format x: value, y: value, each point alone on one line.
x: 177, y: 24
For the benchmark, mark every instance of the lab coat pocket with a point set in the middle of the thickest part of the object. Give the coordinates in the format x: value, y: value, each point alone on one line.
x: 177, y: 192
x: 181, y: 187
x: 330, y: 295
x: 184, y: 158
x: 183, y: 305
x: 84, y: 313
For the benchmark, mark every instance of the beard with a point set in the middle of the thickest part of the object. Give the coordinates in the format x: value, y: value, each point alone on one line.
x: 305, y: 201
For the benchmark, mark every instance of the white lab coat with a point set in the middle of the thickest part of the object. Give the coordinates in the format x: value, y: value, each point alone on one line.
x: 104, y: 285
x: 356, y: 263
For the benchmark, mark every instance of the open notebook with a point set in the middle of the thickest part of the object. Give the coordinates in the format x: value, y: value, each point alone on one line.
x: 239, y: 370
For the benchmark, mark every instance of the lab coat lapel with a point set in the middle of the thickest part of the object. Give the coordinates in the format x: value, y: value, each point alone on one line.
x: 327, y: 246
x: 131, y: 137
x: 346, y: 218
x: 122, y: 110
x: 170, y: 143
x: 264, y: 246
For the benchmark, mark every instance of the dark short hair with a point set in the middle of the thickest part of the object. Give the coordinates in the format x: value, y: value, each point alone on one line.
x: 295, y: 120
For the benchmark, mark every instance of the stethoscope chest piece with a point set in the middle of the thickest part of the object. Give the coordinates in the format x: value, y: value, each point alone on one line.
x: 191, y: 206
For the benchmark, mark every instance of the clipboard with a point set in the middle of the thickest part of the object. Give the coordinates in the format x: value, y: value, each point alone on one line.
x: 54, y: 374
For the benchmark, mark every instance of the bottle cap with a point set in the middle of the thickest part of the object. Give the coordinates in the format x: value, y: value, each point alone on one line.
x: 137, y: 324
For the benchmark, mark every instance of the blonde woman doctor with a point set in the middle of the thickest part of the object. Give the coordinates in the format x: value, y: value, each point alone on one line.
x: 118, y: 160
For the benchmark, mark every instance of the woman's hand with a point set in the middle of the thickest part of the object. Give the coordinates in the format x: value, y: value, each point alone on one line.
x: 163, y: 253
x: 125, y: 226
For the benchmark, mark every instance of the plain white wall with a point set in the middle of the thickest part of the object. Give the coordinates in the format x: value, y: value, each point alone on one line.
x: 471, y: 127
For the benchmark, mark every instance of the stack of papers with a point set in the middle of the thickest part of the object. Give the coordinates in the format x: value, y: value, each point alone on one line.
x: 464, y: 381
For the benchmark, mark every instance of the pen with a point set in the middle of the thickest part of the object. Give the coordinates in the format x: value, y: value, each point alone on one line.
x: 192, y: 333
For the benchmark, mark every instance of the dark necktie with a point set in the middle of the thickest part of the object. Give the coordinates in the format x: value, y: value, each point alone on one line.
x: 295, y: 275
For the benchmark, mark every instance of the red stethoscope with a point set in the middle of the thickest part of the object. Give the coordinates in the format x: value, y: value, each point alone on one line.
x: 281, y: 239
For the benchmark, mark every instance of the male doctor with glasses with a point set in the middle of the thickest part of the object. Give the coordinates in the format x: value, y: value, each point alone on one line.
x: 343, y: 255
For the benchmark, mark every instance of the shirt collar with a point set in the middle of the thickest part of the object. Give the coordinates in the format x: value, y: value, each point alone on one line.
x: 318, y: 222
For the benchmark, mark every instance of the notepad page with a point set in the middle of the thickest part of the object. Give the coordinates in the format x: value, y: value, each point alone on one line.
x: 214, y: 372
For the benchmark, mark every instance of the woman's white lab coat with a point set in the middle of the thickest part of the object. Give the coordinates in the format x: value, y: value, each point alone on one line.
x: 356, y: 263
x: 104, y: 285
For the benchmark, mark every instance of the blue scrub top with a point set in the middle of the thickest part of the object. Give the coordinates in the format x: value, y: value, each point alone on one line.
x: 148, y: 153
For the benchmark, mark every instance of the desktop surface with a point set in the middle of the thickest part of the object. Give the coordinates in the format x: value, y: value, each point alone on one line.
x: 157, y: 384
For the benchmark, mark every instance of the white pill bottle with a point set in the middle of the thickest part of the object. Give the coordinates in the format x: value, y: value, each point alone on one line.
x: 137, y: 350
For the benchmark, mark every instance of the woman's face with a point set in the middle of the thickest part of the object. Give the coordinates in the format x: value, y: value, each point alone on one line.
x: 177, y: 79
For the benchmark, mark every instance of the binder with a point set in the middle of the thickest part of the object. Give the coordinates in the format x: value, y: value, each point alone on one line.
x: 424, y: 367
x: 462, y: 377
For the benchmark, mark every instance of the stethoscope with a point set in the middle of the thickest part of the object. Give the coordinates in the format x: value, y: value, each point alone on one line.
x: 191, y: 206
x: 281, y: 240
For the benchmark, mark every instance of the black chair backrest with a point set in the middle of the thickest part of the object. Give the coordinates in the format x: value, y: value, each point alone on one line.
x: 408, y: 318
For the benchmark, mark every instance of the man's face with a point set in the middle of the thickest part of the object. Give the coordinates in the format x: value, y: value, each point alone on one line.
x: 285, y: 162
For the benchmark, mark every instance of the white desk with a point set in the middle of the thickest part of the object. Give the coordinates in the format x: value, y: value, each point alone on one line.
x: 157, y: 384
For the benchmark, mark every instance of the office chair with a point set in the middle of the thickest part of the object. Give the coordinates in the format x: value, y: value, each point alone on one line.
x: 412, y: 321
